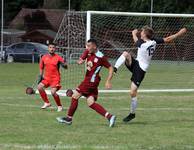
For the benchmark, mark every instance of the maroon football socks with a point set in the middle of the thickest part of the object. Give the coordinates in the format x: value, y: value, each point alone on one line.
x: 73, y: 107
x: 99, y: 109
x: 44, y: 96
x: 57, y: 99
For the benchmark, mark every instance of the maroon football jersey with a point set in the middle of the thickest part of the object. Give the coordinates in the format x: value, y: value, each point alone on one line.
x: 94, y: 63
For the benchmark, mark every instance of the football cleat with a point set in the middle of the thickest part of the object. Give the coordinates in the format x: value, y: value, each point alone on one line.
x: 112, y: 121
x: 59, y: 108
x: 129, y: 117
x: 115, y: 70
x: 46, y: 105
x: 65, y: 120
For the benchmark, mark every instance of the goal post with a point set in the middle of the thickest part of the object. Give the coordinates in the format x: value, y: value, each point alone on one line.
x: 171, y: 62
x: 88, y: 25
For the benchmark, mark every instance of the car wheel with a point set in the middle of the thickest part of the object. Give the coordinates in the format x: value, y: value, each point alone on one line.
x: 10, y: 59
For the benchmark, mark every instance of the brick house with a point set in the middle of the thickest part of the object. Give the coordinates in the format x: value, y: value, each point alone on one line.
x: 40, y: 24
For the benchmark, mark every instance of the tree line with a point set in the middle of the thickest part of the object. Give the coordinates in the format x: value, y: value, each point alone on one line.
x: 12, y: 7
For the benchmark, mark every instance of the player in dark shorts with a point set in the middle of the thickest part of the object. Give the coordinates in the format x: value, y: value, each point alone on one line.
x: 146, y: 47
x: 88, y: 88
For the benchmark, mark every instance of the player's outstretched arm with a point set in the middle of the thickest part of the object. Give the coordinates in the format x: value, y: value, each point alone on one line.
x: 83, y: 57
x: 80, y: 61
x: 134, y: 35
x: 108, y: 84
x: 63, y: 63
x: 174, y: 36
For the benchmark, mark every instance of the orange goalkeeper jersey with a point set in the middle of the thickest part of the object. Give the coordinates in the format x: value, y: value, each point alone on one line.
x: 51, y: 64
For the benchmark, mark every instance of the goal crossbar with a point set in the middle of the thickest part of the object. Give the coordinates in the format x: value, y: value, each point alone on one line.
x: 89, y: 13
x: 139, y: 14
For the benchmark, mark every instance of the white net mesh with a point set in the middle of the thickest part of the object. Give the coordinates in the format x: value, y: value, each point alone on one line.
x: 113, y: 33
x: 71, y: 41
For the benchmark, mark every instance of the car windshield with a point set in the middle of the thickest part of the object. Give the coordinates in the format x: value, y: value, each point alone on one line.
x: 42, y: 46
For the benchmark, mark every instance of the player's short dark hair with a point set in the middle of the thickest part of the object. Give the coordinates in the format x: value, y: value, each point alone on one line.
x: 149, y: 32
x: 51, y: 43
x: 92, y: 41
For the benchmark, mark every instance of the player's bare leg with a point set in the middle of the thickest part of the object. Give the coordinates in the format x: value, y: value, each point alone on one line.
x: 57, y: 99
x: 43, y: 96
x: 133, y: 94
x: 74, y: 103
x: 99, y: 109
x: 124, y: 58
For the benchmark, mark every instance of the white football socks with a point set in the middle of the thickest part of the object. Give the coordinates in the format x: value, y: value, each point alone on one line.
x: 120, y: 61
x: 133, y: 104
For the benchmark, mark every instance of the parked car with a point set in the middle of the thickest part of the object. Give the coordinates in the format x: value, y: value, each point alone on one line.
x: 25, y: 52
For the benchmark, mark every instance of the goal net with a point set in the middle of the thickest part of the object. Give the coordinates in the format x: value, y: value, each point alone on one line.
x: 171, y: 65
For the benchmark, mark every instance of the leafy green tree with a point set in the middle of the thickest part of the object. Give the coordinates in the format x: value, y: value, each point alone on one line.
x: 75, y: 4
x: 12, y: 7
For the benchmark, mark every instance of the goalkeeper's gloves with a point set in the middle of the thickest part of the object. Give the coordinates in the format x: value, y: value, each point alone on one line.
x: 64, y: 65
x: 40, y: 78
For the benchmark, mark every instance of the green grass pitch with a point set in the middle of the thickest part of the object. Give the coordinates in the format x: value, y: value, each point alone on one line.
x: 165, y: 121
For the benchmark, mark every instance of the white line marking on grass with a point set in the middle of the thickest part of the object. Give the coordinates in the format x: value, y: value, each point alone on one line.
x: 27, y: 106
x: 18, y: 105
x: 3, y: 98
x: 60, y: 146
x: 127, y: 96
x: 165, y: 109
x: 53, y: 147
x: 63, y: 92
x: 148, y: 91
x: 140, y: 109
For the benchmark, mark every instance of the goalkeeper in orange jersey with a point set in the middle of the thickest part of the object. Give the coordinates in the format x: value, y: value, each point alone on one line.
x: 50, y: 76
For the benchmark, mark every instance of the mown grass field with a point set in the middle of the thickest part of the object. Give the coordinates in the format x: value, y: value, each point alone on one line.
x: 164, y: 120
